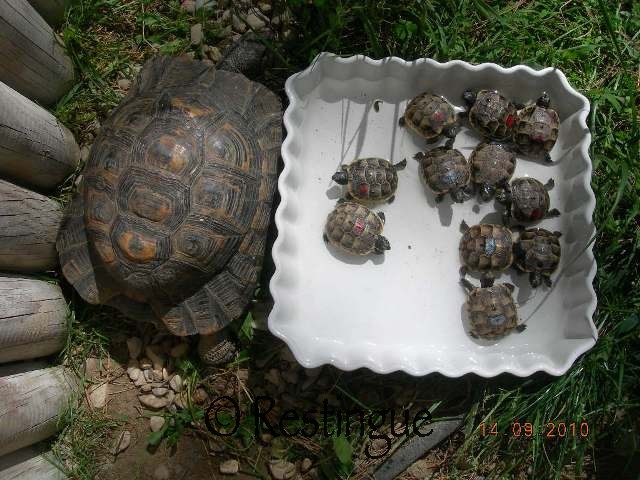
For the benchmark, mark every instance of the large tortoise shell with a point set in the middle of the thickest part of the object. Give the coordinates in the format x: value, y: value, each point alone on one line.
x: 487, y: 248
x: 492, y: 115
x: 354, y: 228
x: 372, y: 179
x: 429, y: 115
x: 492, y: 311
x: 176, y: 198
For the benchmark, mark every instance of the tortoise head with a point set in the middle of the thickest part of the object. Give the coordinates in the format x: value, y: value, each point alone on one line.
x: 457, y: 194
x: 246, y: 55
x: 469, y: 97
x: 502, y: 195
x: 486, y: 192
x: 544, y: 100
x: 382, y: 244
x: 341, y: 178
x: 535, y: 279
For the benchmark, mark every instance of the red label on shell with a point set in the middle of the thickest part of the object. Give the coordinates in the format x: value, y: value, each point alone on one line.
x: 537, y: 213
x: 358, y: 228
x: 510, y: 120
x: 438, y: 116
x: 363, y: 189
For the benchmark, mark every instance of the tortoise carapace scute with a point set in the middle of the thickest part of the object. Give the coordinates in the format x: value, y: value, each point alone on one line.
x: 537, y: 251
x: 492, y: 164
x: 356, y: 229
x: 536, y: 129
x: 431, y: 117
x: 170, y: 221
x: 490, y: 114
x: 370, y: 180
x: 492, y: 311
x: 487, y: 249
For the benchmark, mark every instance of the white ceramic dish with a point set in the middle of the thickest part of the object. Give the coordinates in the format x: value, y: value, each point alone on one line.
x: 403, y: 311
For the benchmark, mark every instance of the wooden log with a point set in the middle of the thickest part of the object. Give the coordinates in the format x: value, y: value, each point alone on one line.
x: 35, y: 148
x: 29, y: 223
x: 31, y: 403
x: 30, y: 463
x: 51, y: 10
x: 32, y: 59
x: 33, y: 318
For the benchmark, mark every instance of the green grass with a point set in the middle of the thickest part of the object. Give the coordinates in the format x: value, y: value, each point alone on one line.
x: 595, y: 43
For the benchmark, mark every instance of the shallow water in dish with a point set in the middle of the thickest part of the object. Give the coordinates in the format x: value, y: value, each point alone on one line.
x: 407, y: 304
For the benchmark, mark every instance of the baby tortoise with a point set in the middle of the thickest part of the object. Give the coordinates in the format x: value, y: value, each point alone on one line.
x: 538, y: 252
x: 492, y: 165
x: 526, y: 199
x: 536, y: 129
x: 445, y: 170
x: 492, y: 311
x: 370, y: 180
x: 354, y: 228
x: 487, y: 249
x: 490, y: 114
x: 431, y: 117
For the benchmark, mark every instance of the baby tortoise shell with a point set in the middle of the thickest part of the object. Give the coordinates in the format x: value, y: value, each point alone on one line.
x: 491, y: 310
x: 492, y: 164
x: 445, y: 170
x: 538, y: 252
x: 526, y: 199
x: 431, y: 117
x: 169, y: 224
x: 490, y: 114
x: 487, y: 249
x: 355, y: 229
x: 536, y: 129
x: 370, y: 180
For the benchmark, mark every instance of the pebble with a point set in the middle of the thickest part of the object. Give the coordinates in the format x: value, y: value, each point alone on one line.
x: 165, y: 375
x: 282, y: 470
x: 161, y: 472
x: 148, y: 375
x: 151, y: 401
x: 176, y: 383
x: 156, y: 423
x: 146, y: 388
x: 196, y: 34
x: 159, y: 391
x: 122, y: 442
x: 140, y: 381
x: 179, y: 350
x: 255, y: 22
x: 124, y: 84
x: 84, y: 152
x: 134, y: 344
x: 157, y: 358
x: 134, y: 373
x: 264, y: 7
x: 98, y: 395
x: 238, y: 25
x: 306, y: 464
x: 214, y: 54
x: 229, y: 467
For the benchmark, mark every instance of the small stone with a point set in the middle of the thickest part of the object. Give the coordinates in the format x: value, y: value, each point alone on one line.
x: 264, y: 7
x: 145, y: 363
x: 238, y: 25
x: 84, y: 152
x: 165, y: 375
x: 153, y: 402
x: 156, y: 423
x: 196, y: 34
x: 156, y: 356
x: 122, y: 442
x: 226, y: 17
x: 161, y: 472
x: 179, y: 350
x: 255, y: 22
x: 124, y: 84
x: 176, y: 383
x: 159, y: 391
x: 306, y: 464
x: 214, y: 54
x: 148, y: 375
x: 134, y: 373
x: 229, y: 467
x: 282, y: 470
x: 134, y: 344
x: 140, y: 381
x: 98, y: 395
x: 146, y: 388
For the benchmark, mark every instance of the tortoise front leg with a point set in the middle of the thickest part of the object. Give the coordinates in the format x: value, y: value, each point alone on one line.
x: 554, y: 212
x: 217, y: 349
x: 547, y: 158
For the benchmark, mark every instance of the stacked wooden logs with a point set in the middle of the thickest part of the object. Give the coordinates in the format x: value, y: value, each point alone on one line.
x: 37, y: 153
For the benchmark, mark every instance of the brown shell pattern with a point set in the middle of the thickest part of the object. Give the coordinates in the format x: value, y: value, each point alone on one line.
x: 429, y: 115
x: 176, y: 198
x: 486, y: 248
x: 353, y: 227
x: 491, y: 164
x: 536, y: 130
x: 372, y: 179
x: 492, y: 115
x: 538, y: 251
x: 492, y: 311
x: 530, y: 200
x: 444, y: 169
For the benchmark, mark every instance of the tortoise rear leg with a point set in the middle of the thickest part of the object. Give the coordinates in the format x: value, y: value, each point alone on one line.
x: 391, y: 199
x: 217, y: 349
x: 521, y: 328
x: 554, y: 212
x: 401, y: 121
x: 325, y: 238
x: 400, y: 165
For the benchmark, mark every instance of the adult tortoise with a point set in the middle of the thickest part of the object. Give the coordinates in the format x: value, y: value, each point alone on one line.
x: 169, y: 223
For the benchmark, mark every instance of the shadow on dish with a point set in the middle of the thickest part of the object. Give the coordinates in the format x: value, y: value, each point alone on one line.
x: 376, y: 259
